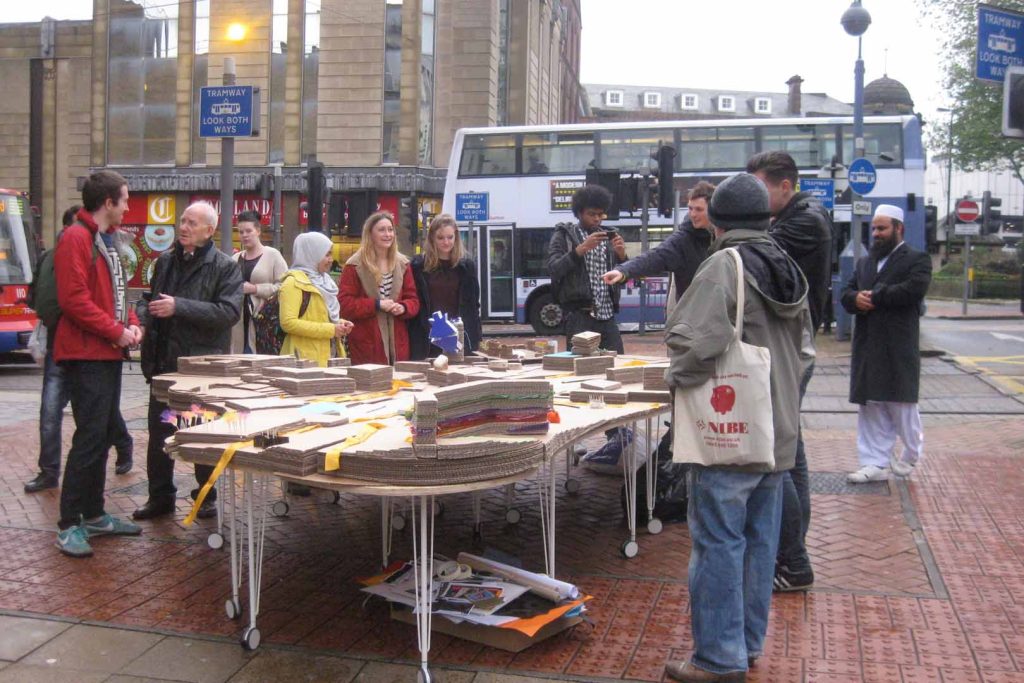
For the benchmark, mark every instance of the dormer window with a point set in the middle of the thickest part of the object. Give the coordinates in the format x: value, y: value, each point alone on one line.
x: 652, y: 100
x: 613, y: 98
x: 689, y: 102
x: 726, y: 103
x: 762, y: 105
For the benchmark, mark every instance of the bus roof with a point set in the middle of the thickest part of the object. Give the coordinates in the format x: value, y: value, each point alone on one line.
x: 686, y: 123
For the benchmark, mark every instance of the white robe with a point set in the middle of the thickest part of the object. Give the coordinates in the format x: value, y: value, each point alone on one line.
x: 879, y: 423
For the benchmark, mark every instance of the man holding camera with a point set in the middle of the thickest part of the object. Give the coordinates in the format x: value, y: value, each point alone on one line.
x: 578, y: 255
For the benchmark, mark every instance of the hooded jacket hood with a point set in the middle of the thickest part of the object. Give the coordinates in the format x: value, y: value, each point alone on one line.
x: 769, y: 270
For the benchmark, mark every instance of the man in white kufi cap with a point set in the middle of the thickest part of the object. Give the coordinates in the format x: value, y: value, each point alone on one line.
x: 886, y: 294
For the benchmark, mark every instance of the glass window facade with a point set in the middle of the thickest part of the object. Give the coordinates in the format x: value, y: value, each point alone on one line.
x: 488, y: 155
x: 725, y: 149
x: 278, y: 58
x: 310, y: 76
x: 631, y: 150
x: 392, y: 80
x: 557, y: 152
x: 141, y: 82
x: 426, y: 132
x: 503, y: 40
x: 883, y: 144
x: 200, y: 74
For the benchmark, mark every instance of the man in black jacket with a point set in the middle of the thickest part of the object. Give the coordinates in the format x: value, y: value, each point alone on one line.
x: 803, y: 228
x: 578, y: 255
x: 195, y: 299
x: 683, y: 251
x: 886, y: 293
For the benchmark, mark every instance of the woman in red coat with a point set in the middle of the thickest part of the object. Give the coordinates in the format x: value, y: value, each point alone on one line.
x: 378, y: 295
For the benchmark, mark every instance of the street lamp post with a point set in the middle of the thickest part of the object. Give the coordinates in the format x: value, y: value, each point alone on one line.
x: 855, y: 21
x: 227, y: 172
x: 949, y: 180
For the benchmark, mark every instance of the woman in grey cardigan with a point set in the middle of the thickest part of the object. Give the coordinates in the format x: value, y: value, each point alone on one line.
x: 262, y: 270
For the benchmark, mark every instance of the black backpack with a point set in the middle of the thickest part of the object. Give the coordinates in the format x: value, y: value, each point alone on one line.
x: 42, y: 293
x: 267, y: 333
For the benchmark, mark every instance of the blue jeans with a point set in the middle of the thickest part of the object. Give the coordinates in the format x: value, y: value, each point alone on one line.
x: 51, y: 418
x: 734, y: 524
x: 796, y: 503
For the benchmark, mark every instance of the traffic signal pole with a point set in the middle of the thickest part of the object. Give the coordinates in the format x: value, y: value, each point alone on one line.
x: 967, y: 271
x: 227, y: 172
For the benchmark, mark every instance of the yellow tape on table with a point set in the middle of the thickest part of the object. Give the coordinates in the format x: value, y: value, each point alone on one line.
x: 225, y: 459
x: 332, y: 461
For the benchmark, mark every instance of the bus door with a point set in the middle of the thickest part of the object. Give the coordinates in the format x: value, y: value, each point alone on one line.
x: 493, y: 248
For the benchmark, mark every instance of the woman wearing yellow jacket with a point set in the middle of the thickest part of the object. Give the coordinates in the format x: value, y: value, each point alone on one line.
x: 308, y: 300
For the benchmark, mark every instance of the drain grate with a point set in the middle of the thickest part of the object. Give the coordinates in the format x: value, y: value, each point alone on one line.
x: 835, y: 483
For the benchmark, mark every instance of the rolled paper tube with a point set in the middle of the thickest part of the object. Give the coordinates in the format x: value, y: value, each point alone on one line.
x: 542, y: 585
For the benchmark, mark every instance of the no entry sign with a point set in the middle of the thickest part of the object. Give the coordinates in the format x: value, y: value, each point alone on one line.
x: 967, y: 211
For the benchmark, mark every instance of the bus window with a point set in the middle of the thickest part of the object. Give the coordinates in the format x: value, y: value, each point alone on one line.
x: 557, y: 152
x: 879, y: 139
x: 532, y: 252
x: 809, y: 145
x: 17, y: 254
x: 715, y: 149
x: 484, y: 155
x: 631, y: 150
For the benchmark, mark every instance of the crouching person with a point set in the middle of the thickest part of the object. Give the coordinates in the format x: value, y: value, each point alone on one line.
x: 735, y: 511
x: 195, y: 298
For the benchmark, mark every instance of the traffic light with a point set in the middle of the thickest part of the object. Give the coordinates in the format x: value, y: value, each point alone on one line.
x: 1013, y: 102
x: 265, y: 185
x: 315, y: 196
x: 931, y: 227
x: 361, y: 203
x: 991, y: 214
x: 666, y: 158
x: 336, y: 209
x: 407, y: 218
x: 609, y: 180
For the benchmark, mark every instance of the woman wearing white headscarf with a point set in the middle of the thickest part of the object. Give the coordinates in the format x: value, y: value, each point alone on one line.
x: 308, y: 300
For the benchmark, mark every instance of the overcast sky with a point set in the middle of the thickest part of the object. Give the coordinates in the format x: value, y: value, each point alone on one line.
x: 729, y: 44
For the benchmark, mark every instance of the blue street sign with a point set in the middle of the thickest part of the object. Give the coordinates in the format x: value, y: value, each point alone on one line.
x: 229, y: 111
x: 471, y: 206
x: 823, y: 189
x: 862, y: 176
x: 1000, y: 42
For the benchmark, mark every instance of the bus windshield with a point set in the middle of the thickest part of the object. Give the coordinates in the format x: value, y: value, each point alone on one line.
x: 17, y: 252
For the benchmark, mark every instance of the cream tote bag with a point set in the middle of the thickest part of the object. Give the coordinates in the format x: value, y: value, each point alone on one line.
x: 728, y: 419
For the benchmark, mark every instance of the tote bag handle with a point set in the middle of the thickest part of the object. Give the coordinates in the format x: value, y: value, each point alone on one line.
x: 741, y: 293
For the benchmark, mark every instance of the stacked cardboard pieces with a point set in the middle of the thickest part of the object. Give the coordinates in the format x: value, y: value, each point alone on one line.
x: 310, y: 381
x: 513, y: 407
x: 586, y: 343
x: 371, y: 377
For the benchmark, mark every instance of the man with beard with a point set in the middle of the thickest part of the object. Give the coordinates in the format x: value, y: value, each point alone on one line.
x: 886, y: 293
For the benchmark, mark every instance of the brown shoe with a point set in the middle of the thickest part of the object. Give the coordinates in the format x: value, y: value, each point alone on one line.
x: 688, y: 673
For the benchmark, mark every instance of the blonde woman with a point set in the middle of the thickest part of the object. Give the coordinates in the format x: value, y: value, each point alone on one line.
x: 446, y: 281
x: 378, y: 295
x: 262, y: 270
x: 310, y: 313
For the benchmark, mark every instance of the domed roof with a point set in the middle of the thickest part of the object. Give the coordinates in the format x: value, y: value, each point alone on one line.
x: 887, y: 96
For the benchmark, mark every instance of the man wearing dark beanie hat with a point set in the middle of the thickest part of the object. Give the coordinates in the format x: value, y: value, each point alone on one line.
x: 731, y: 582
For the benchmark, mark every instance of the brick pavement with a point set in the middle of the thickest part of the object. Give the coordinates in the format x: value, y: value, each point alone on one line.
x: 916, y: 582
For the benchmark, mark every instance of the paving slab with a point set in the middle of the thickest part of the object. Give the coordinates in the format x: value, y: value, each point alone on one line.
x: 93, y: 648
x: 284, y: 666
x: 186, y: 659
x: 20, y: 635
x: 27, y: 673
x: 378, y: 672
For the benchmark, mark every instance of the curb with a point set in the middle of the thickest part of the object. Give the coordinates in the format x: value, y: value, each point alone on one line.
x: 1018, y: 316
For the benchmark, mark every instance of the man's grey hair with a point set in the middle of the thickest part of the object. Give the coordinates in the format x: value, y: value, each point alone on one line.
x: 206, y: 210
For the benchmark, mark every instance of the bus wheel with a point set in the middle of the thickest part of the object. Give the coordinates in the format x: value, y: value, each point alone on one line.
x: 546, y: 315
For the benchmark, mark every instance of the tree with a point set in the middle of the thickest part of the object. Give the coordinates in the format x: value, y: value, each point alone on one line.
x: 977, y: 143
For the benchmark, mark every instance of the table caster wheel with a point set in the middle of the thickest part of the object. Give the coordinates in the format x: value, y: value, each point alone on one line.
x: 654, y: 526
x: 280, y: 508
x: 572, y: 485
x: 328, y: 497
x: 578, y: 452
x: 513, y: 515
x: 423, y: 676
x: 438, y: 508
x: 397, y: 522
x: 233, y: 609
x: 251, y: 638
x: 630, y: 549
x: 215, y: 540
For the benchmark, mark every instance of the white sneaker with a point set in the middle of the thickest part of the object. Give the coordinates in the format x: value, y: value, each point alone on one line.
x: 900, y: 468
x: 868, y: 473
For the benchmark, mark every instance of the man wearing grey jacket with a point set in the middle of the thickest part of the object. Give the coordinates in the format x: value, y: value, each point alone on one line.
x: 735, y: 511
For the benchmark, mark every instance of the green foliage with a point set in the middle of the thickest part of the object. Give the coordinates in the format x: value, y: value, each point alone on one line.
x: 977, y: 105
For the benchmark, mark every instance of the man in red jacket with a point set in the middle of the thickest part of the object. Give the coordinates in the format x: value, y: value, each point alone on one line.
x: 95, y: 329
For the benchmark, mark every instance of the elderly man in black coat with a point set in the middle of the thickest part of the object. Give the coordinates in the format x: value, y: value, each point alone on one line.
x: 886, y: 293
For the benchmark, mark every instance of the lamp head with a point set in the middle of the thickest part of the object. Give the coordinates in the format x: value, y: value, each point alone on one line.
x: 856, y: 19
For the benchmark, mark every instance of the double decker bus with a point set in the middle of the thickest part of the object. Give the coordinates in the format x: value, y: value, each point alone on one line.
x: 509, y: 186
x: 19, y: 249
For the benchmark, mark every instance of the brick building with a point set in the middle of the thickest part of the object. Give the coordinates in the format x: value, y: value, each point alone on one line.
x: 374, y: 89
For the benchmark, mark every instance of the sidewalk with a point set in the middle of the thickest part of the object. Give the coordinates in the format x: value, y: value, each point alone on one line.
x: 952, y: 309
x: 916, y: 581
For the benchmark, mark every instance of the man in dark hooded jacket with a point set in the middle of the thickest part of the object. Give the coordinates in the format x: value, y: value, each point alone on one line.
x: 735, y: 511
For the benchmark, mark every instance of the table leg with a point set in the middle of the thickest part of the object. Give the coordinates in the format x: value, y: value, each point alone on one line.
x: 630, y: 548
x: 423, y: 573
x: 233, y: 607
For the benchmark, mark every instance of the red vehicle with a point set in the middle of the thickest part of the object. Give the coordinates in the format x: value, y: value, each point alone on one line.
x: 19, y: 250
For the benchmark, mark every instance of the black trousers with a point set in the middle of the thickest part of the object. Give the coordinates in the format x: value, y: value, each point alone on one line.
x: 95, y: 391
x: 159, y: 465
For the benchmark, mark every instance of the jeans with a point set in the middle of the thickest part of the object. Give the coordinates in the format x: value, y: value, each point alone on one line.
x: 55, y: 397
x: 95, y: 390
x: 796, y: 503
x: 159, y: 465
x: 734, y: 523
